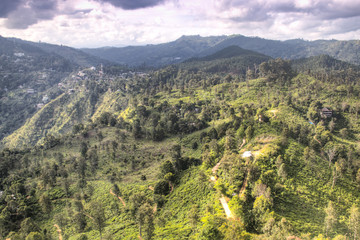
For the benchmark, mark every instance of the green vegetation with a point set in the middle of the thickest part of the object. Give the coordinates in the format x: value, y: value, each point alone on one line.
x: 188, y: 153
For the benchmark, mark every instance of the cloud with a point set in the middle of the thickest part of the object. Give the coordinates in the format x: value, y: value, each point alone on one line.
x: 7, y: 6
x: 20, y: 14
x: 123, y: 22
x: 133, y: 4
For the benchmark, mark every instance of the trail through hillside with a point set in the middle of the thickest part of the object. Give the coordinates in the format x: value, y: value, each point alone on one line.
x: 317, y: 140
x: 213, y: 178
x: 274, y: 111
x: 225, y: 205
x: 122, y: 201
x: 59, y: 231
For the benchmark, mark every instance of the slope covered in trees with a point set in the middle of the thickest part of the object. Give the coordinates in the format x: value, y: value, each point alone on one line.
x: 188, y: 47
x: 27, y: 75
x: 167, y: 154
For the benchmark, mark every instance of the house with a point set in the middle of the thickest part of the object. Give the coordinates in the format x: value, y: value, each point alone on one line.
x: 326, y: 113
x: 45, y: 99
x: 19, y: 54
x: 39, y: 105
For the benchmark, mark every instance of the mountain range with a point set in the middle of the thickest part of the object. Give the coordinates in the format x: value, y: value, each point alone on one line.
x: 195, y: 46
x: 201, y: 138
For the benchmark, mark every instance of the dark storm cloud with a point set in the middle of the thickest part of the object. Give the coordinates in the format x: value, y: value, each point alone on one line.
x: 7, y: 6
x: 43, y: 5
x: 23, y: 13
x: 133, y: 4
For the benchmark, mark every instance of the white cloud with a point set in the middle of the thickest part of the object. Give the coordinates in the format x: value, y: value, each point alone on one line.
x: 90, y: 23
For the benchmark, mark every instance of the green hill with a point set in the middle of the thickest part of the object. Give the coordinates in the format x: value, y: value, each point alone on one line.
x: 184, y: 154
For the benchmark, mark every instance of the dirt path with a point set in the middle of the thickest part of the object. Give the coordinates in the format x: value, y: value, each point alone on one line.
x: 59, y: 231
x: 242, y: 144
x: 213, y: 178
x: 225, y: 205
x: 317, y: 140
x: 122, y: 201
x: 89, y: 216
x: 274, y: 111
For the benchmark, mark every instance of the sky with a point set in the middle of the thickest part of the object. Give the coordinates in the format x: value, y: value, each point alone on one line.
x: 98, y: 23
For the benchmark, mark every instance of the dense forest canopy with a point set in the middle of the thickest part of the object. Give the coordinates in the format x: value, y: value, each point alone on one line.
x: 235, y: 145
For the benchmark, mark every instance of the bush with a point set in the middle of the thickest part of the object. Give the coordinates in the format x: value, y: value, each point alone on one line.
x: 162, y: 188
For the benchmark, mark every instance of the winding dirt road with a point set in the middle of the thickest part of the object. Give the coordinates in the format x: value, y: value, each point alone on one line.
x: 59, y: 231
x: 122, y: 200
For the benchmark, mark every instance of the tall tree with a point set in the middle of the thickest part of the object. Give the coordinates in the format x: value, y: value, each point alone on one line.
x: 98, y: 215
x: 330, y: 218
x: 145, y: 217
x: 354, y: 221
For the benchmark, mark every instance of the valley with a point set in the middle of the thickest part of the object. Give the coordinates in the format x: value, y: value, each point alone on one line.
x: 231, y: 144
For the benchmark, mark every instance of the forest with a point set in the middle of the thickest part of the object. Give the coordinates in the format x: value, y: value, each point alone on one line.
x: 235, y: 145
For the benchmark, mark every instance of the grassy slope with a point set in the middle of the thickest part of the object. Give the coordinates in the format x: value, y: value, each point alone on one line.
x: 305, y: 192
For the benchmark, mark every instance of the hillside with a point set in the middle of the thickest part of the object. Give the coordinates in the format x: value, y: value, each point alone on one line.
x: 28, y: 76
x: 73, y: 55
x: 183, y: 153
x: 157, y: 55
x: 92, y: 96
x: 188, y: 47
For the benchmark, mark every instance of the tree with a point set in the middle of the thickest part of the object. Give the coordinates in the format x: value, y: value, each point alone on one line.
x: 136, y: 129
x: 98, y: 215
x: 330, y: 218
x: 45, y: 203
x: 28, y: 226
x: 344, y: 132
x: 332, y: 125
x: 230, y: 142
x: 162, y: 187
x: 83, y: 149
x: 282, y: 171
x: 261, y: 212
x: 331, y: 152
x: 336, y: 173
x: 249, y: 132
x: 354, y: 221
x: 145, y: 218
x: 194, y: 217
x: 35, y: 236
x: 80, y: 221
x: 116, y: 189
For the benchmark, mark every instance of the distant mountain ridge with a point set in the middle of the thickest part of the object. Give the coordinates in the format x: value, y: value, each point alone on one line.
x: 188, y: 47
x: 75, y: 56
x: 229, y: 52
x: 157, y: 55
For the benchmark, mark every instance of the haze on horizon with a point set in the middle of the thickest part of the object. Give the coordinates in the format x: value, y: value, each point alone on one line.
x: 97, y: 23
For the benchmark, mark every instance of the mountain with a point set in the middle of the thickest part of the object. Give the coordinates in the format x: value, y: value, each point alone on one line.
x: 157, y: 55
x: 231, y: 59
x: 229, y: 52
x: 75, y: 56
x: 28, y: 76
x: 195, y: 46
x: 176, y: 153
x: 322, y: 63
